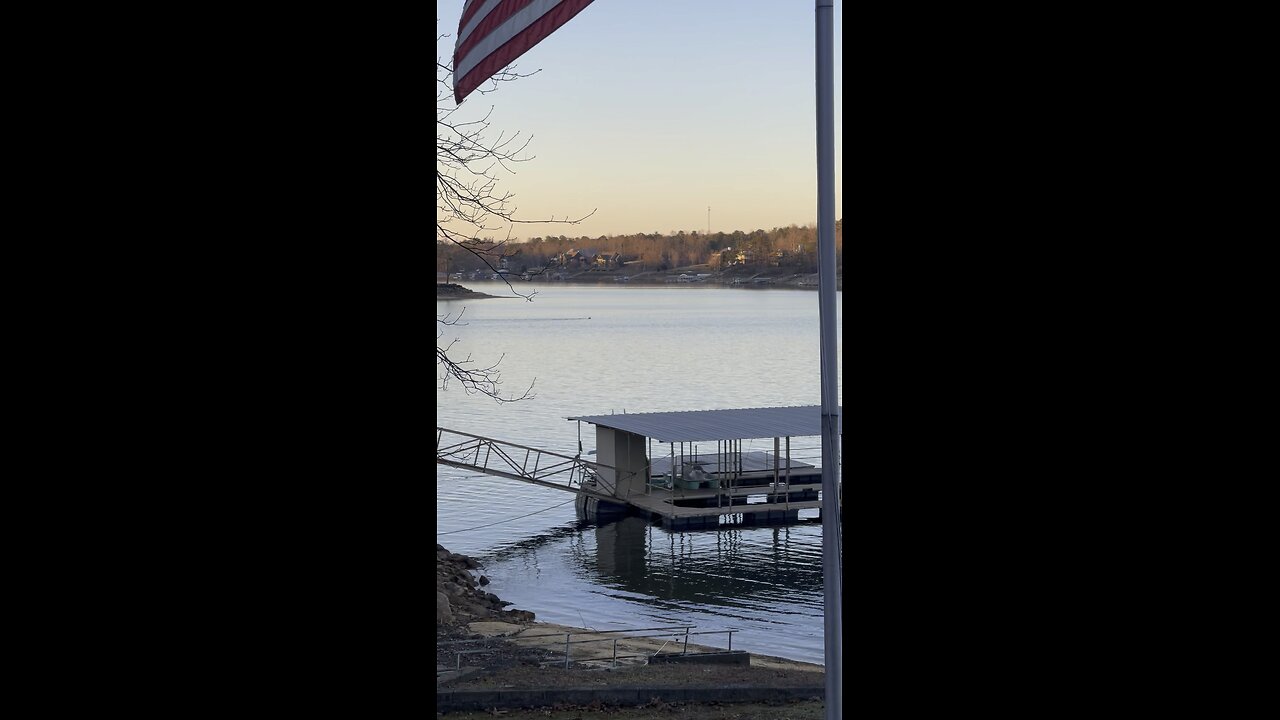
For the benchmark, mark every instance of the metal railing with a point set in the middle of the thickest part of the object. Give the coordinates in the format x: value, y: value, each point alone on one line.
x: 678, y: 633
x: 521, y: 462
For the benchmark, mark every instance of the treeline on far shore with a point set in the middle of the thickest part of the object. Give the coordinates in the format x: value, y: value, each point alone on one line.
x: 792, y: 247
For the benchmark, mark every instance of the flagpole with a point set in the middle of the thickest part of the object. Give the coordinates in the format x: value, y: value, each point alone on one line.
x: 824, y: 62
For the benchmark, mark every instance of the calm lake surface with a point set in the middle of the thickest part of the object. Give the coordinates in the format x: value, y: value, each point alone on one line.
x: 593, y: 350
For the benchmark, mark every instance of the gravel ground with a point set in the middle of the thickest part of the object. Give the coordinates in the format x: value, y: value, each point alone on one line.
x: 807, y: 710
x: 505, y: 664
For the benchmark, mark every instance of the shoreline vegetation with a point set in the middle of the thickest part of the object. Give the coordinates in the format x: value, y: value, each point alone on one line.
x: 497, y: 649
x: 792, y: 248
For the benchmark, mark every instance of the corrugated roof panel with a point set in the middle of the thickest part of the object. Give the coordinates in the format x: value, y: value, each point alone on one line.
x: 751, y: 461
x: 700, y: 425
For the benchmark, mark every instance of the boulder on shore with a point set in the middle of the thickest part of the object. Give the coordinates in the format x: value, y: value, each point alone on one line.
x: 444, y: 613
x: 460, y: 600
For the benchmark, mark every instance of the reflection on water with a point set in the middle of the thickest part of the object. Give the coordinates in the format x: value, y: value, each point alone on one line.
x: 762, y: 580
x: 717, y: 567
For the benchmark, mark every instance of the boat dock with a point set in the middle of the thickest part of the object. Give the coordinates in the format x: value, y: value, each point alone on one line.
x: 649, y: 464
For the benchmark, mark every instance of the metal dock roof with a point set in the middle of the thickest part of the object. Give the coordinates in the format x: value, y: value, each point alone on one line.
x: 750, y: 461
x: 701, y: 425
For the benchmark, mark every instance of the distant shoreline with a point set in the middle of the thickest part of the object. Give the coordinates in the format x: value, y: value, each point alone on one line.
x: 453, y: 291
x: 806, y: 281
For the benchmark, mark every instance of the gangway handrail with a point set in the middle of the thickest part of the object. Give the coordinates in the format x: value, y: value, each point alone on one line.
x: 504, y: 442
x: 455, y: 454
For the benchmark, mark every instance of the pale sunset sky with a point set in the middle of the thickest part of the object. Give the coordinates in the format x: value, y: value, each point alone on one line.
x: 649, y: 111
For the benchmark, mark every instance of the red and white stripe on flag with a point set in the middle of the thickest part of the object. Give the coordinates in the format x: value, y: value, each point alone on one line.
x: 493, y: 33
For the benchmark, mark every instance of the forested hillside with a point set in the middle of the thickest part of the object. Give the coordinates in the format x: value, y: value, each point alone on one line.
x: 790, y: 247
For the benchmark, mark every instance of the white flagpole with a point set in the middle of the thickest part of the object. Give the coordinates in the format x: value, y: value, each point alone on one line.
x: 831, y: 573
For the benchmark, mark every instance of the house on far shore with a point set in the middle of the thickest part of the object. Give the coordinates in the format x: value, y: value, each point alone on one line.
x: 577, y: 258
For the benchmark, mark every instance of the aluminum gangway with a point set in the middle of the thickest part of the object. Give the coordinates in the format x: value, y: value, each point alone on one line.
x: 520, y: 462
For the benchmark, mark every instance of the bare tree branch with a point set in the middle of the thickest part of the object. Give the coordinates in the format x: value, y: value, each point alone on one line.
x: 472, y: 378
x: 470, y: 206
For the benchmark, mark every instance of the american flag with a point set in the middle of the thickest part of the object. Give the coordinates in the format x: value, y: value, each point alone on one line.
x: 493, y: 33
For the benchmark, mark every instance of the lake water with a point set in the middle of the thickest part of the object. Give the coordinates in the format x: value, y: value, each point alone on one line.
x: 593, y: 350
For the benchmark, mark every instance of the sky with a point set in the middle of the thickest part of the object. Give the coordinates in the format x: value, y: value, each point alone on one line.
x: 651, y: 111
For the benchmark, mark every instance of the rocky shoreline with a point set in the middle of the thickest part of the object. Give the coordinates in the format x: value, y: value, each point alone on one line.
x: 773, y: 278
x: 460, y: 598
x: 465, y: 611
x: 482, y: 647
x: 453, y: 291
